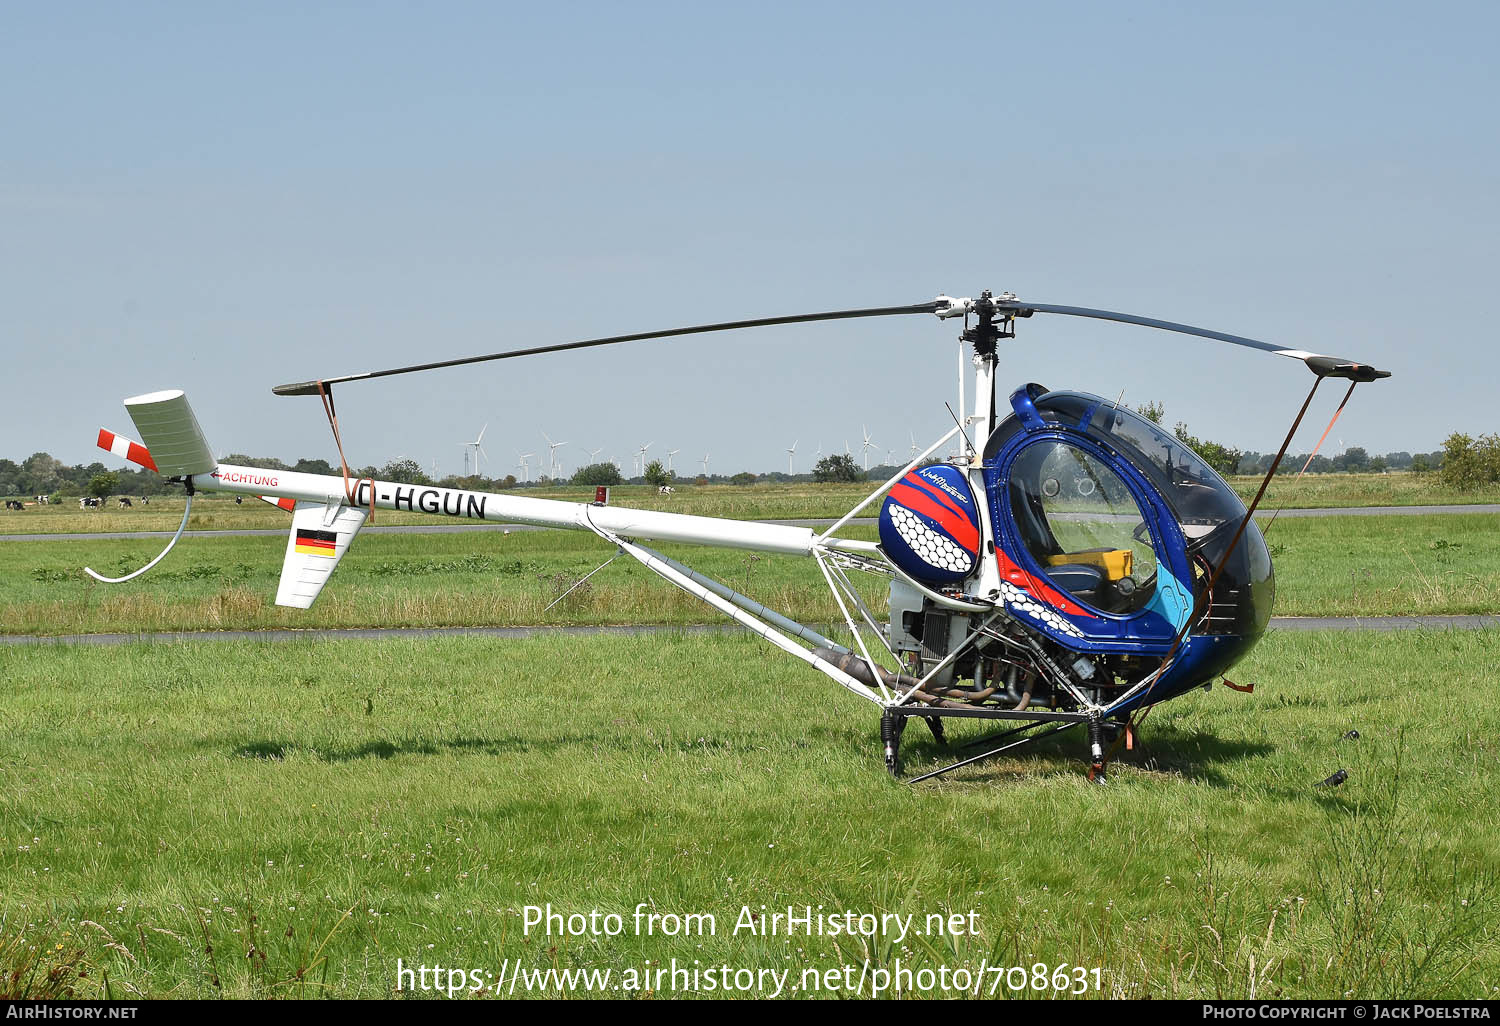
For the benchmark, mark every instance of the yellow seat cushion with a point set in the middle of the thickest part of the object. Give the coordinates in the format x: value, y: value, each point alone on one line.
x: 1116, y: 563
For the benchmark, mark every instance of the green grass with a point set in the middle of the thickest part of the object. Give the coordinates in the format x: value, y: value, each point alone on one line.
x: 214, y: 513
x: 1340, y: 566
x: 1373, y: 566
x: 1324, y: 491
x: 386, y: 580
x: 311, y: 812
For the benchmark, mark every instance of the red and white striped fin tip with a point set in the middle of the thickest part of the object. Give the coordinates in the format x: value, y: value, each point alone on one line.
x: 124, y: 448
x: 290, y: 505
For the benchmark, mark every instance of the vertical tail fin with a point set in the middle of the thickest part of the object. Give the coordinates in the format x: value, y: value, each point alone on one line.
x: 319, y: 538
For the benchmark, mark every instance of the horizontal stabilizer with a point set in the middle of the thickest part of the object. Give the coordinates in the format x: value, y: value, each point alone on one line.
x: 319, y: 538
x: 171, y: 433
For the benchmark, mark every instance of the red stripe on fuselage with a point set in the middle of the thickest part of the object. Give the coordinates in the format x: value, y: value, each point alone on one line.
x: 936, y: 492
x: 1038, y: 589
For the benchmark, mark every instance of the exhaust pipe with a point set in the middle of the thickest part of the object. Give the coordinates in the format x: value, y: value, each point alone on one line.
x: 857, y: 668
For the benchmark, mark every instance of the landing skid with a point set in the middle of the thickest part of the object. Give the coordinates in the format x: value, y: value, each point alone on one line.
x: 860, y: 673
x: 1044, y: 723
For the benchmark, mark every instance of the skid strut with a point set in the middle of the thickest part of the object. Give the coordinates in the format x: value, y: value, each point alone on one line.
x: 893, y: 722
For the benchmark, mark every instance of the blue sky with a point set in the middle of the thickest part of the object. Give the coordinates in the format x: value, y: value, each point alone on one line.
x: 221, y: 198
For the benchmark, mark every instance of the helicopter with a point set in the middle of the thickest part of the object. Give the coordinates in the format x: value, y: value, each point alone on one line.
x: 1072, y: 566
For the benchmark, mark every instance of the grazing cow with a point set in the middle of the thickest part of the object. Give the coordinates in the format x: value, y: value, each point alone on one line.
x: 665, y: 490
x: 44, y: 499
x: 124, y: 502
x: 13, y: 504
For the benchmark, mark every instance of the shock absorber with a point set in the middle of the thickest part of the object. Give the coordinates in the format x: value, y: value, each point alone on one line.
x: 1096, y: 750
x: 891, y: 726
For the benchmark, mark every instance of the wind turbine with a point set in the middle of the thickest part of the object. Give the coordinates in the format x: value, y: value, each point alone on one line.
x: 642, y: 452
x: 474, y: 446
x: 523, y: 466
x: 869, y: 442
x: 913, y: 444
x: 705, y: 463
x: 552, y: 448
x: 789, y: 454
x: 594, y: 454
x: 670, y: 454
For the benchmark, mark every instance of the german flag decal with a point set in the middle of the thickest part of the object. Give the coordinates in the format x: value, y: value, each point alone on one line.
x: 318, y: 543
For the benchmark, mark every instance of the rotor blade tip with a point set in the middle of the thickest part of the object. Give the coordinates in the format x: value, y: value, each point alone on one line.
x: 1337, y: 367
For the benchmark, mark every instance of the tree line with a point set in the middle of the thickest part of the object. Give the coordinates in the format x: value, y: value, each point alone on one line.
x: 1228, y: 460
x: 43, y: 474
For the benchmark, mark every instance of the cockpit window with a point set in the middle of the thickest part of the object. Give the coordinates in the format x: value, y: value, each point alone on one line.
x: 1198, y: 496
x: 1206, y: 509
x: 1080, y: 523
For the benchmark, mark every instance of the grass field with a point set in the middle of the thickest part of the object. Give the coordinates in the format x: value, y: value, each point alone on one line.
x: 1327, y: 491
x: 1341, y: 566
x: 390, y: 580
x: 769, y: 501
x: 290, y: 819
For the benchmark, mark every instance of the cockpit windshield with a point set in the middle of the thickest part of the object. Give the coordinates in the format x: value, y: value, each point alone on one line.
x: 1205, y: 507
x: 1198, y: 496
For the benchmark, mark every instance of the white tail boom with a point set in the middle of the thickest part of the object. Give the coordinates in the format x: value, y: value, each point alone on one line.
x: 325, y: 521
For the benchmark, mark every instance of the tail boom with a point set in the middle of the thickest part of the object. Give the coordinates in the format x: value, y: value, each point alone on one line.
x: 515, y: 509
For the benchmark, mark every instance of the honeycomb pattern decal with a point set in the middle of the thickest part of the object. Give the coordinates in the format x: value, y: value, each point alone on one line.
x: 1018, y: 601
x: 930, y: 546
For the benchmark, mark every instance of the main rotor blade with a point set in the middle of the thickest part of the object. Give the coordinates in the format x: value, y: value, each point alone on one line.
x: 1326, y: 366
x: 311, y: 387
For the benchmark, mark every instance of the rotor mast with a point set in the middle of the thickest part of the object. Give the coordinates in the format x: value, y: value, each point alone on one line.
x: 987, y: 320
